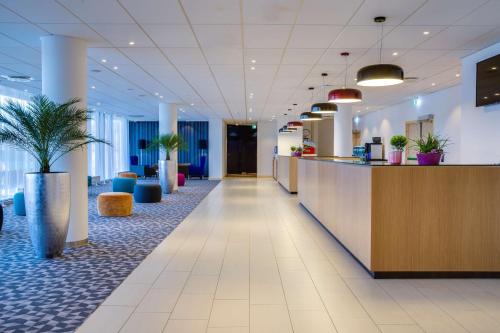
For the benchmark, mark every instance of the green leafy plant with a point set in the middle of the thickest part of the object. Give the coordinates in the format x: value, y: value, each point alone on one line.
x: 399, y: 142
x: 300, y: 149
x: 44, y: 129
x: 431, y: 144
x: 168, y: 143
x: 293, y: 149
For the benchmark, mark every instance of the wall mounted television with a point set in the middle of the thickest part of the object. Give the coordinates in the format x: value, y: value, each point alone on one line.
x: 488, y: 81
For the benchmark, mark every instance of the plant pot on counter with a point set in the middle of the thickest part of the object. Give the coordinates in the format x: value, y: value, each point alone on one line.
x: 167, y: 171
x: 395, y: 157
x: 428, y: 158
x: 47, y: 198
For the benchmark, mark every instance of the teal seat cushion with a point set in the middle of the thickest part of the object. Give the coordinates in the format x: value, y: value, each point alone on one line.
x: 19, y: 205
x: 124, y: 185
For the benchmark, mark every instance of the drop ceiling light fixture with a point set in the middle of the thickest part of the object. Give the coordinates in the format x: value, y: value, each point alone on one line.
x: 309, y: 116
x: 345, y: 95
x: 324, y: 108
x: 381, y: 74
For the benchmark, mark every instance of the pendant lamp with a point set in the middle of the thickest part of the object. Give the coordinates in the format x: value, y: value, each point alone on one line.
x: 309, y: 116
x: 381, y: 74
x: 324, y: 108
x: 345, y: 95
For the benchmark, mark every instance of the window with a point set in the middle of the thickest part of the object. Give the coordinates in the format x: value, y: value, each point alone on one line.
x: 107, y: 160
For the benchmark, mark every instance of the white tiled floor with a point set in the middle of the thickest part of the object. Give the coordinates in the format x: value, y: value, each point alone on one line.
x: 250, y: 259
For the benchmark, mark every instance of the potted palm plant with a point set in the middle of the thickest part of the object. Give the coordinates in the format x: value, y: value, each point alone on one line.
x: 430, y: 149
x: 398, y: 143
x: 47, y: 131
x: 167, y: 169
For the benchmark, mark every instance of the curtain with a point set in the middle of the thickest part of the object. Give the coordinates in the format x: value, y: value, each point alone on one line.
x: 143, y: 130
x: 107, y: 160
x: 14, y: 163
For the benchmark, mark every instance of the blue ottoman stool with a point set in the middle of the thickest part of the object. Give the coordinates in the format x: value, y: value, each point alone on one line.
x: 124, y: 185
x: 19, y: 205
x: 145, y: 193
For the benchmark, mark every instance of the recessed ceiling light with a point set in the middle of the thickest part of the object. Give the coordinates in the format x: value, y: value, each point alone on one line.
x: 485, y: 97
x: 497, y: 94
x: 367, y: 108
x: 98, y: 103
x: 25, y: 90
x: 156, y: 94
x: 115, y: 68
x: 426, y: 32
x: 394, y: 53
x: 103, y: 60
x: 131, y: 43
x: 253, y: 61
x: 457, y: 75
x: 493, y: 68
x: 433, y: 84
x: 161, y: 96
x: 359, y: 111
x: 252, y: 68
x: 192, y: 104
x: 93, y: 87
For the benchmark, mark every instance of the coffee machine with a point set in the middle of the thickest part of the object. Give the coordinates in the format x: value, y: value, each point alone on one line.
x: 374, y: 151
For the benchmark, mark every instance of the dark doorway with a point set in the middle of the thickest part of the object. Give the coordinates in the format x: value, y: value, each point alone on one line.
x: 242, y: 150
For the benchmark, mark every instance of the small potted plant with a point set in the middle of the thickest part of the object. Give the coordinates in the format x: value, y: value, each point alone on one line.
x: 296, y: 151
x: 430, y: 149
x: 398, y: 143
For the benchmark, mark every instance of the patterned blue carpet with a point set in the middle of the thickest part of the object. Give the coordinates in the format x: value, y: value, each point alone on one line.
x: 58, y: 295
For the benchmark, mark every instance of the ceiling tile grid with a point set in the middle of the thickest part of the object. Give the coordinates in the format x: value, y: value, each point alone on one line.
x: 227, y: 57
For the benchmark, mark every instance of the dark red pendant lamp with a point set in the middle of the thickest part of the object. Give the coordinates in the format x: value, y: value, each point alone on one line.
x: 345, y: 95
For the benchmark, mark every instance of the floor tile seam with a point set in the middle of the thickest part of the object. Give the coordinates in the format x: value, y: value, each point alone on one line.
x: 279, y: 271
x: 191, y: 271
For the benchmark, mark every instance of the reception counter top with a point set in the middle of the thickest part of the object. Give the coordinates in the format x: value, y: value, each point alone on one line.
x: 408, y: 221
x: 384, y: 163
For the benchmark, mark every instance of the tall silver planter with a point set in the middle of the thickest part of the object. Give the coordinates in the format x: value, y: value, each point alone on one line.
x: 47, y: 198
x: 168, y: 173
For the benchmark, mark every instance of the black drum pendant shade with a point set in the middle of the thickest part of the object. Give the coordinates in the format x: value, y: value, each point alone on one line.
x: 309, y: 116
x: 380, y: 75
x: 324, y: 108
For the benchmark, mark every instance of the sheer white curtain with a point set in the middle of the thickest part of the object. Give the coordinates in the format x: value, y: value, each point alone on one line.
x: 107, y: 160
x: 14, y: 163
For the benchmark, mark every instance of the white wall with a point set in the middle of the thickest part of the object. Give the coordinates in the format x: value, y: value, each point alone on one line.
x: 480, y: 125
x: 266, y: 140
x: 444, y: 105
x: 287, y: 140
x: 216, y: 149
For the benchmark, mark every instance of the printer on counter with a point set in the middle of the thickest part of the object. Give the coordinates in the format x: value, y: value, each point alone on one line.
x: 374, y: 151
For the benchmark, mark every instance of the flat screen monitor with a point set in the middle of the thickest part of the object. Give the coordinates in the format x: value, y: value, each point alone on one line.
x: 488, y: 81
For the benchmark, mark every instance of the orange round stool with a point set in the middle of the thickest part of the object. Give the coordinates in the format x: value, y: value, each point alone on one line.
x: 114, y: 204
x: 127, y: 174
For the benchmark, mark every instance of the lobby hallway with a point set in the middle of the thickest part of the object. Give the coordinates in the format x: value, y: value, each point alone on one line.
x: 249, y: 258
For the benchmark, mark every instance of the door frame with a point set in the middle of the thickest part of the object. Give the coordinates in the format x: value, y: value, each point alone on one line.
x: 414, y: 122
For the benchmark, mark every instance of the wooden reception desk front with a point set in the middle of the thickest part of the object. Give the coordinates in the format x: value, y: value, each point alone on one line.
x: 408, y: 221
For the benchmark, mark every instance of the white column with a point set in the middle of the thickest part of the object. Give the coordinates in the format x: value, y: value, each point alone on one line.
x: 64, y: 76
x: 216, y: 149
x: 167, y: 115
x: 342, y: 131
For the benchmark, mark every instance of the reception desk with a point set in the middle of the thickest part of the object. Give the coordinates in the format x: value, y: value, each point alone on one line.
x: 286, y: 167
x: 408, y: 221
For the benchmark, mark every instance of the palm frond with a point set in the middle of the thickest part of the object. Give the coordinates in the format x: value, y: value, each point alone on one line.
x: 45, y: 129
